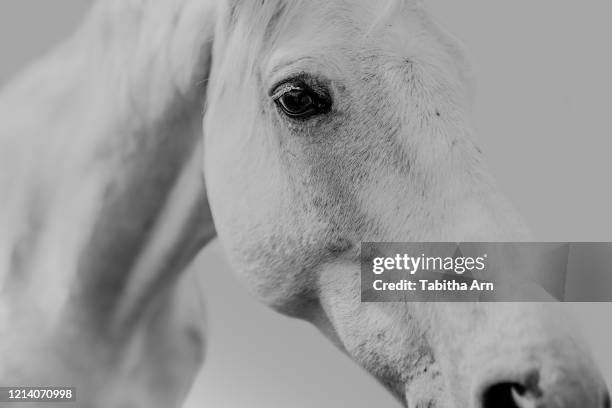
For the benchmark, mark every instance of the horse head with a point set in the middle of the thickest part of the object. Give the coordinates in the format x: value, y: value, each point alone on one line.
x: 331, y: 123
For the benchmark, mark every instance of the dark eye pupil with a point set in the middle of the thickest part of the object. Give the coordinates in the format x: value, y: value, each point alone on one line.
x: 297, y: 102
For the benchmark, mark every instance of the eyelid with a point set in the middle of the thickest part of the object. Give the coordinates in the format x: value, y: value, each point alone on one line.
x: 283, y: 88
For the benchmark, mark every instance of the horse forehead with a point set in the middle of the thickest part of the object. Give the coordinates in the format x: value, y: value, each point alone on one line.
x: 332, y: 34
x: 284, y: 17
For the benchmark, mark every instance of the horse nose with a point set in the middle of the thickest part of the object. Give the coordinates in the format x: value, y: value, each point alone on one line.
x: 533, y: 392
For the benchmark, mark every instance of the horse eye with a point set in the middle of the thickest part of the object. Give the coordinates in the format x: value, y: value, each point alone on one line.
x: 299, y: 101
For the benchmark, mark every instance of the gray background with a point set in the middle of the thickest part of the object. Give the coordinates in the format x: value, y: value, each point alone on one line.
x: 543, y: 115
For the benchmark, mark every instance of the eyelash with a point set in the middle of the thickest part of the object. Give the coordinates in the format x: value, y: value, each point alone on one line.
x: 283, y: 88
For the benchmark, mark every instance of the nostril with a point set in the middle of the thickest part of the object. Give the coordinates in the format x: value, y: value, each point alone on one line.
x: 511, y: 394
x: 529, y: 394
x: 504, y: 395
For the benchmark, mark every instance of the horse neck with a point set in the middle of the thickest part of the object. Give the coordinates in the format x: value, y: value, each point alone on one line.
x: 100, y: 195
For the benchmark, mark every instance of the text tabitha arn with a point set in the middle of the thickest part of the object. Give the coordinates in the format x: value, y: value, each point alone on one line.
x: 432, y: 286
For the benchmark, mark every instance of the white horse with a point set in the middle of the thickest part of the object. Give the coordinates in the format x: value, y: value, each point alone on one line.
x: 327, y: 123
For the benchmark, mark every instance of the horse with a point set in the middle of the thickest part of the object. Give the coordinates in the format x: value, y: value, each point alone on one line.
x: 325, y: 124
